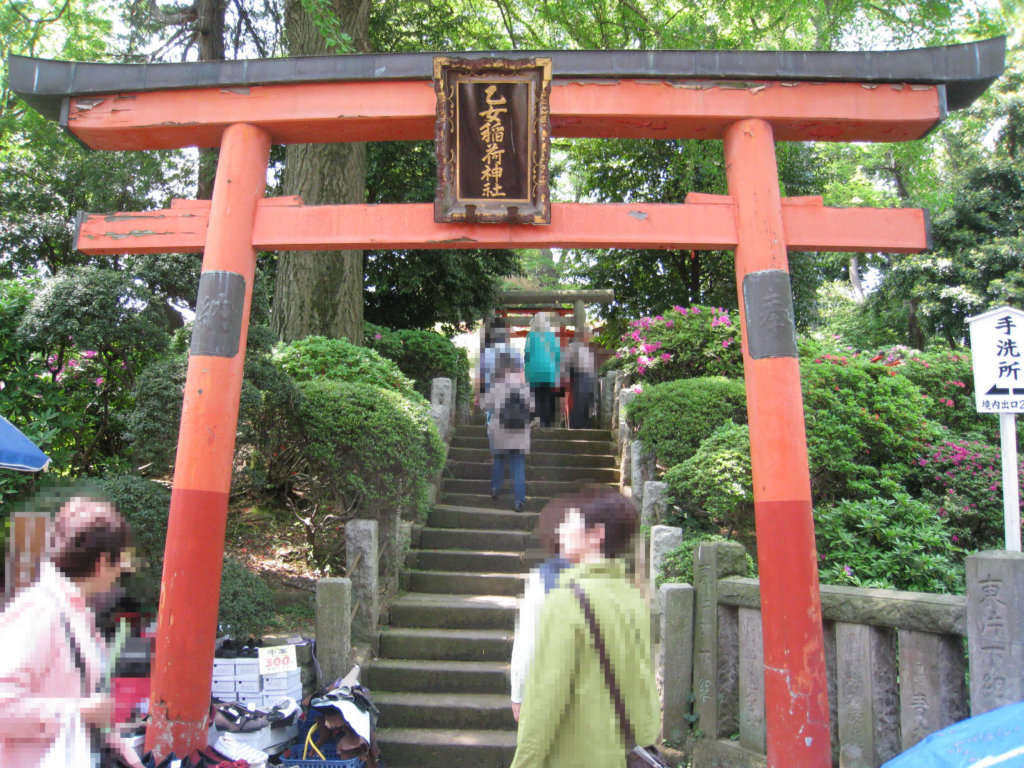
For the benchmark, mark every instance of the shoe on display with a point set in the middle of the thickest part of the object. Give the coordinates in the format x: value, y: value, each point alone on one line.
x: 234, y: 749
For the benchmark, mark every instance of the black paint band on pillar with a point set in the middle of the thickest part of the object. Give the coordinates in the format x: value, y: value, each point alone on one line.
x: 218, y: 325
x: 768, y: 306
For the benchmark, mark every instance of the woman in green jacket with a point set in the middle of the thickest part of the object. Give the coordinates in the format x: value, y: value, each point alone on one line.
x: 567, y: 718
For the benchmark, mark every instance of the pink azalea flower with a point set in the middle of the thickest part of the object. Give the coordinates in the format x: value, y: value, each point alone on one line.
x: 666, y: 356
x: 726, y: 343
x: 669, y: 323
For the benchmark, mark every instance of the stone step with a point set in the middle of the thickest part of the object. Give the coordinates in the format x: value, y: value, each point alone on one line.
x: 548, y: 433
x: 435, y: 748
x: 438, y: 677
x: 441, y: 711
x: 536, y: 458
x: 481, y: 470
x: 419, y: 610
x: 542, y: 444
x: 547, y: 488
x: 465, y: 560
x: 455, y: 583
x: 446, y: 644
x: 480, y: 540
x: 484, y: 501
x: 445, y: 516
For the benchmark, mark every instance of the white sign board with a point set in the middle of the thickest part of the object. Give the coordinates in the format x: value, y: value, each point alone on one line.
x: 997, y: 348
x: 277, y: 659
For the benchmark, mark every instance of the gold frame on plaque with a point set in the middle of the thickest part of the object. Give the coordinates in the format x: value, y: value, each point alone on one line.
x: 529, y: 82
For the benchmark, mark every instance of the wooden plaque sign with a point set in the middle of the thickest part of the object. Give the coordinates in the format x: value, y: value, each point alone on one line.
x: 25, y: 550
x: 493, y: 137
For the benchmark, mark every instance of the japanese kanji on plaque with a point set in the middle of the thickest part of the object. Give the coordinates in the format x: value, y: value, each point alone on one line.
x: 997, y: 347
x: 493, y: 138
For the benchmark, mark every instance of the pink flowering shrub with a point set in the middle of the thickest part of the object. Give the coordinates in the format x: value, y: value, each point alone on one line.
x: 962, y: 481
x: 946, y: 381
x: 682, y: 343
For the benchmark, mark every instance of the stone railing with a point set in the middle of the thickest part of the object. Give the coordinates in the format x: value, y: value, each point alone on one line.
x: 896, y: 661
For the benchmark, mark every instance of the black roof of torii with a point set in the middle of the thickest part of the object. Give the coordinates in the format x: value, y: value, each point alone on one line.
x: 965, y: 70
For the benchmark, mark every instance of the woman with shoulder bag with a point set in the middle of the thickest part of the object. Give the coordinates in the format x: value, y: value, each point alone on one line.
x: 53, y: 656
x: 588, y: 694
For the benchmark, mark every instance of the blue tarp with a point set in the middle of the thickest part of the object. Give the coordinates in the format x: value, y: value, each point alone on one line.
x: 17, y: 451
x: 994, y: 739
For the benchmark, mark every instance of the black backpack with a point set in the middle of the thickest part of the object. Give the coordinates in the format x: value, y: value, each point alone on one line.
x: 515, y: 412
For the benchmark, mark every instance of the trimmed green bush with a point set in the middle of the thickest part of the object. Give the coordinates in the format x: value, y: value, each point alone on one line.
x: 368, y: 450
x: 897, y: 543
x: 267, y: 443
x: 712, y: 490
x: 673, y: 418
x: 422, y: 356
x: 246, y: 602
x: 866, y: 426
x: 683, y: 343
x: 145, y: 505
x: 677, y: 567
x: 316, y: 357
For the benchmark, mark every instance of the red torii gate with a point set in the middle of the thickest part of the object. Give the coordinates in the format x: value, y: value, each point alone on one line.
x: 748, y: 100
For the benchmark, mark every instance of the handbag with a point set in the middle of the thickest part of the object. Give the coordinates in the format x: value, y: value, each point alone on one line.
x: 637, y: 756
x: 100, y: 754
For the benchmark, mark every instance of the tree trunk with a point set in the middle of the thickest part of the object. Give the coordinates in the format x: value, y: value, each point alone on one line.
x: 855, y: 284
x: 915, y: 336
x: 210, y: 39
x: 321, y: 293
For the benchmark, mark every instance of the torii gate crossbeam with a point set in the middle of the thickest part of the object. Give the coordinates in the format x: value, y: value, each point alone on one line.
x: 748, y: 100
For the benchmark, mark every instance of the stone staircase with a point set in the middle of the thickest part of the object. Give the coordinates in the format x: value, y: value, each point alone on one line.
x: 441, y: 678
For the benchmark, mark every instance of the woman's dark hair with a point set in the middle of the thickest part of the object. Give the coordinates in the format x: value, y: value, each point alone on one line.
x: 612, y: 510
x: 496, y: 332
x: 82, y: 532
x: 551, y: 516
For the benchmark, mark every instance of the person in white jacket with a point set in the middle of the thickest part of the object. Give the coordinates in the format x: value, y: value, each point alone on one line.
x: 539, y: 581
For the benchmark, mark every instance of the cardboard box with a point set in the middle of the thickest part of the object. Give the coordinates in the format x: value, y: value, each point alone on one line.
x: 247, y: 669
x: 247, y: 686
x: 221, y: 686
x: 270, y: 699
x: 281, y: 682
x: 224, y: 667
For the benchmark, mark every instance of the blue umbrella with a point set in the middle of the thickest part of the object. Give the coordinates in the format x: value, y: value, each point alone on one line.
x: 993, y: 739
x: 18, y: 452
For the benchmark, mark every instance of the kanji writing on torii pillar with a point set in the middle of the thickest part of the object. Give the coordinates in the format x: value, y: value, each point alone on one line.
x: 748, y: 100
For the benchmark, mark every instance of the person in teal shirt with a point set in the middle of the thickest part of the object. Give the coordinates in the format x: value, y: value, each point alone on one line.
x: 567, y: 719
x: 543, y: 360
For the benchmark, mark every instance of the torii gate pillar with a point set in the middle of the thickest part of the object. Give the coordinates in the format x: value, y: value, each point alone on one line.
x: 796, y: 689
x: 189, y: 594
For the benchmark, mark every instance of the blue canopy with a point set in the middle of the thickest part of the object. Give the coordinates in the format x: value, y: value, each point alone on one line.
x: 994, y: 739
x: 17, y: 451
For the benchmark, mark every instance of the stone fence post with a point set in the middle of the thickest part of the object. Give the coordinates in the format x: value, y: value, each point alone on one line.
x: 995, y: 629
x: 333, y: 628
x: 442, y: 406
x: 664, y: 538
x: 675, y: 659
x: 655, y: 503
x: 713, y: 670
x: 642, y: 469
x: 607, y: 401
x: 361, y: 563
